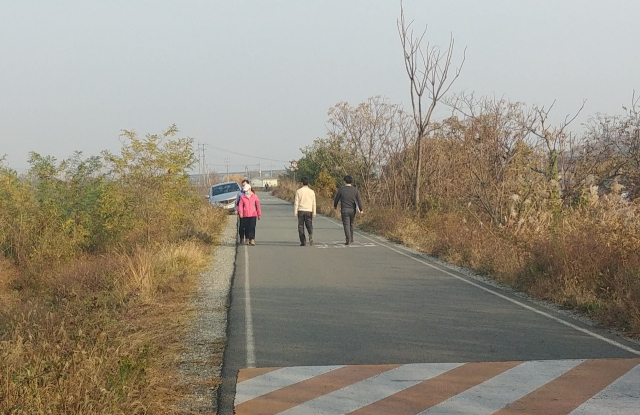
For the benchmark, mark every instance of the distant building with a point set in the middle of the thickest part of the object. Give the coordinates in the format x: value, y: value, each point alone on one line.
x: 272, y: 182
x: 261, y: 182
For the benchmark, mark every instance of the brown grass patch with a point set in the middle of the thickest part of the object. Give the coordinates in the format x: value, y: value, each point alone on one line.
x: 100, y: 334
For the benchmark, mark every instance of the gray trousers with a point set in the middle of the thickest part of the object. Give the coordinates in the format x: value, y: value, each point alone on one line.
x: 348, y: 220
x: 305, y: 219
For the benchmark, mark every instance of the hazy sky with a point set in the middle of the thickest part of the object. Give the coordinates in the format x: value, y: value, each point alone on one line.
x: 257, y: 77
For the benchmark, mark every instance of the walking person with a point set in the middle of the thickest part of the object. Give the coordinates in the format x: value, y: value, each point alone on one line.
x: 304, y: 208
x: 350, y: 203
x: 241, y: 229
x: 249, y: 212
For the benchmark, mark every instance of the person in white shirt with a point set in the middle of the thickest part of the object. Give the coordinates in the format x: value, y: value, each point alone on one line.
x: 304, y: 208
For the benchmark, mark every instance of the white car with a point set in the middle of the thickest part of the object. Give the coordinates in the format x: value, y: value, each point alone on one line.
x: 224, y: 195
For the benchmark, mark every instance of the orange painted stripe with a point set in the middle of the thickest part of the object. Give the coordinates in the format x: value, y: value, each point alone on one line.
x: 565, y: 393
x: 246, y: 374
x: 290, y: 396
x: 431, y: 392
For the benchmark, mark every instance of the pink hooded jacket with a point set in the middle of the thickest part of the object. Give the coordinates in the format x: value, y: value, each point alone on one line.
x: 249, y: 206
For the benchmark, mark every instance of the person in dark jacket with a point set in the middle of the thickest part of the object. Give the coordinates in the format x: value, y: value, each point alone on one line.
x: 350, y: 203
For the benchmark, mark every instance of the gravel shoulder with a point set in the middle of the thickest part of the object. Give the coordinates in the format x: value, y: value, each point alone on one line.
x: 201, y: 364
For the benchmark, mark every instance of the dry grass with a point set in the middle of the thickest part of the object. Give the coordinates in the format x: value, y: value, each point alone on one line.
x: 591, y: 262
x: 100, y: 334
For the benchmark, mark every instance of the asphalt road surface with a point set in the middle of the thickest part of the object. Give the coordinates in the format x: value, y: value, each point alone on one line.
x: 374, y: 303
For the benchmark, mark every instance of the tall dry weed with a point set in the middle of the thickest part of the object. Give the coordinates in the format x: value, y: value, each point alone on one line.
x: 100, y: 334
x: 148, y: 272
x: 591, y: 262
x: 139, y: 273
x: 84, y: 329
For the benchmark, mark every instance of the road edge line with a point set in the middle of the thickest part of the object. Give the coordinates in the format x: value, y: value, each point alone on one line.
x: 248, y: 318
x: 504, y: 297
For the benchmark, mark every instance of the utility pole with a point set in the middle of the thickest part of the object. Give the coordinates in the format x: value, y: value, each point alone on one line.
x: 200, y: 169
x: 259, y: 171
x: 226, y: 162
x: 203, y: 176
x: 205, y: 171
x: 294, y: 166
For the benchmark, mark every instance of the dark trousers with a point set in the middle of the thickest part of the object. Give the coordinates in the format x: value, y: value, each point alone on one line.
x: 305, y: 219
x: 247, y: 228
x: 348, y: 220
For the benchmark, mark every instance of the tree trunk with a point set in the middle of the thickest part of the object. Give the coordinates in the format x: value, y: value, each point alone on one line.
x: 416, y: 193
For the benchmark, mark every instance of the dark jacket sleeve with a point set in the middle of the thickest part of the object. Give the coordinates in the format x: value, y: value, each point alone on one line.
x: 238, y: 198
x: 240, y: 206
x: 358, y: 201
x: 337, y: 198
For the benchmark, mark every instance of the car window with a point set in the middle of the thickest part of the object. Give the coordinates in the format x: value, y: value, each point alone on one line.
x: 225, y: 188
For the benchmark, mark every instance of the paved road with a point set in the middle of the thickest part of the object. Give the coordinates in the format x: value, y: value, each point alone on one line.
x: 374, y: 303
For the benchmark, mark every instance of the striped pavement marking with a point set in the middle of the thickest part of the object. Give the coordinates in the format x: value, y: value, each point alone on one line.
x: 341, y: 245
x: 544, y: 387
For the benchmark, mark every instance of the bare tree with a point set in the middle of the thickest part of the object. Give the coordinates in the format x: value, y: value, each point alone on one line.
x: 611, y: 150
x: 366, y: 130
x: 496, y: 152
x: 557, y: 143
x: 428, y: 70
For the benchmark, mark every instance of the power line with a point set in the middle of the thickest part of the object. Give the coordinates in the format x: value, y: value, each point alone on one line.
x: 231, y: 165
x: 247, y: 155
x: 203, y: 174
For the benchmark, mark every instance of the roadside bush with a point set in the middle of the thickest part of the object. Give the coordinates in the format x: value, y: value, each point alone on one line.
x: 325, y: 185
x: 148, y: 196
x: 99, y: 258
x: 591, y: 264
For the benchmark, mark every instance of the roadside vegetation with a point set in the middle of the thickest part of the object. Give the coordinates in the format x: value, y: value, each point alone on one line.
x: 503, y: 192
x: 495, y: 186
x: 99, y: 261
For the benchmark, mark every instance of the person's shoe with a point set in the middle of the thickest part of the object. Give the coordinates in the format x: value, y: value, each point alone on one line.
x: 302, y: 244
x: 253, y: 242
x: 347, y: 243
x: 310, y: 240
x: 241, y: 241
x: 246, y: 242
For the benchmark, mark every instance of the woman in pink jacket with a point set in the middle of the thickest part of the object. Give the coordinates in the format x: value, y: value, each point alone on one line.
x: 249, y: 212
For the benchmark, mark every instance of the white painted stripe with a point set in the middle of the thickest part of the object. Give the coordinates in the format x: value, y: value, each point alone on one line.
x: 622, y: 397
x: 371, y: 390
x: 523, y: 305
x: 497, y: 392
x: 248, y: 318
x: 272, y: 381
